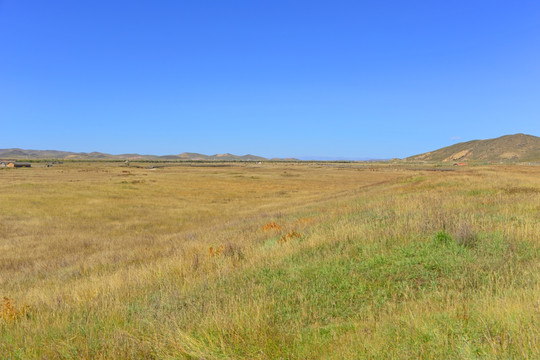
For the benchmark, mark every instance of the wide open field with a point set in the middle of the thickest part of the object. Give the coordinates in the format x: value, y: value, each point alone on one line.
x: 293, y: 261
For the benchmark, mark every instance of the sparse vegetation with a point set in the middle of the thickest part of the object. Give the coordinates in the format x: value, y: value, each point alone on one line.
x: 240, y: 262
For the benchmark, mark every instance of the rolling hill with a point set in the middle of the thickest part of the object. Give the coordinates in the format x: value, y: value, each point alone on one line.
x: 508, y: 148
x: 21, y: 154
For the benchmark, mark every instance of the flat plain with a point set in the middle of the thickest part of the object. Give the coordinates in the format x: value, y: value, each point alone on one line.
x: 268, y: 261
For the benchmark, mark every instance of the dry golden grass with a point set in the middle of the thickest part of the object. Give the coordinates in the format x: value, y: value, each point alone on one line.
x: 249, y: 261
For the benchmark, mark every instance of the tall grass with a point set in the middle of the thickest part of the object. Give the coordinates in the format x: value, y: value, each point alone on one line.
x: 181, y: 262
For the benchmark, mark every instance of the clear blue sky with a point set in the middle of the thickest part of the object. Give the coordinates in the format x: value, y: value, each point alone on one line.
x: 352, y: 79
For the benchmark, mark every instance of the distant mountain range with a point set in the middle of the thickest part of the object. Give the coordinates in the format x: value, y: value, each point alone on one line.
x: 21, y: 154
x: 508, y: 148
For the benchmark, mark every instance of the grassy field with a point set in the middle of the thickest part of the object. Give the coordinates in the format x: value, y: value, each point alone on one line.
x: 292, y: 261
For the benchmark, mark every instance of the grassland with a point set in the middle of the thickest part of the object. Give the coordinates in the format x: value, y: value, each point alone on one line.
x: 336, y: 261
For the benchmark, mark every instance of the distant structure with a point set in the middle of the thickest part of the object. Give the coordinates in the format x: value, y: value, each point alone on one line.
x: 13, y: 164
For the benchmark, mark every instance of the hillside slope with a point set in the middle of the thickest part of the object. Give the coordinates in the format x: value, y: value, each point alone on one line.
x: 508, y: 148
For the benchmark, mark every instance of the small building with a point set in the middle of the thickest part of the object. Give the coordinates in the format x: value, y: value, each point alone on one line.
x: 14, y: 164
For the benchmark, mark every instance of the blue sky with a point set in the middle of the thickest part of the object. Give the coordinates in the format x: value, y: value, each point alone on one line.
x: 351, y: 79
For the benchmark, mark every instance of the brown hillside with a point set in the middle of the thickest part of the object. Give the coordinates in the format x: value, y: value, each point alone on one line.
x: 508, y: 148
